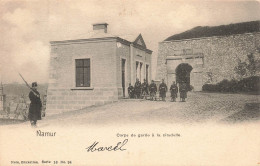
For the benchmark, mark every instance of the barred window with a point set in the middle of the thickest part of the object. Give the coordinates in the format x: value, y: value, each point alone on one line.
x: 83, y: 73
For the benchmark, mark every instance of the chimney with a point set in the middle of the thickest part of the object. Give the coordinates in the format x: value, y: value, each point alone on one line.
x: 100, y: 27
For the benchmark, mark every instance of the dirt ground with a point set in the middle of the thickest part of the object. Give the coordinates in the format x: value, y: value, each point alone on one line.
x: 199, y: 108
x: 209, y: 126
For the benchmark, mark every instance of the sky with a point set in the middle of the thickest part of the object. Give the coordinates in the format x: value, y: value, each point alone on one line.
x: 27, y: 26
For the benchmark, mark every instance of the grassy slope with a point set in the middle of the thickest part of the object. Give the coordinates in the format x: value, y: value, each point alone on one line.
x: 222, y: 30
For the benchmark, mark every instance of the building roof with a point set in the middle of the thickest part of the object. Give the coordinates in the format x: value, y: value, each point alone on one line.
x: 222, y: 30
x: 100, y: 23
x: 99, y: 35
x: 129, y: 37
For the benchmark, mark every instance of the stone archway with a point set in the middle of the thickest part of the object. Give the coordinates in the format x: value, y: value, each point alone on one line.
x: 183, y: 71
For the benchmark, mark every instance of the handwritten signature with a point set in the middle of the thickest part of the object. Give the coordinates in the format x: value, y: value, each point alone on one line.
x: 119, y: 146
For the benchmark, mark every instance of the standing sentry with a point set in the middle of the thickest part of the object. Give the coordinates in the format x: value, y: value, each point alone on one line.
x: 183, y: 91
x: 35, y: 105
x: 163, y: 90
x: 174, y: 91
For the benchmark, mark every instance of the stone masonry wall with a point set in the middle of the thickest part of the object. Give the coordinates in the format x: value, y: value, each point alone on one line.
x: 62, y: 94
x: 221, y: 54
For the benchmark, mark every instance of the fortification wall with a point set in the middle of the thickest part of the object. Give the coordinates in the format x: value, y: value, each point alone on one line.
x: 221, y: 53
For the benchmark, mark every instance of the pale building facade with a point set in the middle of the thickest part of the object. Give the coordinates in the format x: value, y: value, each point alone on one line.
x: 95, y: 70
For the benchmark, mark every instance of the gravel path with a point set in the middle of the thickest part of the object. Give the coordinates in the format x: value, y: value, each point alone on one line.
x: 199, y: 108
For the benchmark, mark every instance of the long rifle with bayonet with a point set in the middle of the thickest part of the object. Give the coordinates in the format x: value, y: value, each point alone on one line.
x: 29, y: 86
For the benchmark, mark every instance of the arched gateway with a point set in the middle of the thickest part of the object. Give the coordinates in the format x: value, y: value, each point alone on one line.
x: 183, y: 71
x: 185, y: 66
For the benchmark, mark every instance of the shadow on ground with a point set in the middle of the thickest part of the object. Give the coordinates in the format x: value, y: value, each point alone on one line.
x: 10, y: 121
x: 251, y: 112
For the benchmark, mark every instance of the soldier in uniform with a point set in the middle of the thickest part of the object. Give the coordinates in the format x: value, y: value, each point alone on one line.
x: 163, y: 90
x: 153, y: 90
x: 131, y: 91
x: 183, y: 91
x: 174, y: 91
x: 35, y: 105
x: 145, y: 87
x: 138, y: 88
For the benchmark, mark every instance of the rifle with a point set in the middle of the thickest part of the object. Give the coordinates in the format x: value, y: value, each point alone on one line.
x: 29, y: 86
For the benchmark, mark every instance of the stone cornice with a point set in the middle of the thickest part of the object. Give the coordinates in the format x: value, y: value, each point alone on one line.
x: 172, y: 57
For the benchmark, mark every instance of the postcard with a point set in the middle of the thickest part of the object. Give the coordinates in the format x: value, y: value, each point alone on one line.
x: 123, y: 82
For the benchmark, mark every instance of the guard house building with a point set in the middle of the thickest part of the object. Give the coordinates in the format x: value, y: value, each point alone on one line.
x: 95, y: 70
x: 207, y: 54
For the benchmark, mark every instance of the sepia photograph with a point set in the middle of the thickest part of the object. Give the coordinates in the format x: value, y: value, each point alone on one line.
x: 129, y: 82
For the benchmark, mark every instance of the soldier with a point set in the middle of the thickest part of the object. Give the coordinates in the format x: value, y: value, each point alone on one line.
x: 174, y: 91
x: 183, y: 91
x: 153, y: 90
x: 145, y: 87
x: 35, y: 105
x: 163, y: 90
x: 138, y: 88
x: 131, y: 91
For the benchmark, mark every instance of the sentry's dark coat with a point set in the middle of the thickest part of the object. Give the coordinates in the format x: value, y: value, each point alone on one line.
x: 35, y: 106
x: 183, y: 90
x: 138, y: 88
x: 131, y: 91
x: 163, y: 89
x: 153, y: 88
x: 174, y: 90
x: 145, y: 87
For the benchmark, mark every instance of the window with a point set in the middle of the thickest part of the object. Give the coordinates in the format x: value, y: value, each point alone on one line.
x: 82, y: 72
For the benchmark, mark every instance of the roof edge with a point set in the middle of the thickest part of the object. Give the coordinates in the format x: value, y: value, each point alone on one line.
x: 208, y: 37
x: 220, y: 30
x: 81, y: 40
x: 101, y: 39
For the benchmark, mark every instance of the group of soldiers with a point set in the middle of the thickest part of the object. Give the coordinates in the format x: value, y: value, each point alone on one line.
x: 144, y: 90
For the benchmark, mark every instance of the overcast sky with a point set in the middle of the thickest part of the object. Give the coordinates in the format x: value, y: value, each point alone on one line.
x: 28, y: 26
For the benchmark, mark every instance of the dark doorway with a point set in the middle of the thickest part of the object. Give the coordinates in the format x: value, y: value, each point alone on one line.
x: 147, y: 73
x: 123, y: 76
x: 183, y: 73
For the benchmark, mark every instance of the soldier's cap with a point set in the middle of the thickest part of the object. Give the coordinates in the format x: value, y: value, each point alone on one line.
x: 34, y: 84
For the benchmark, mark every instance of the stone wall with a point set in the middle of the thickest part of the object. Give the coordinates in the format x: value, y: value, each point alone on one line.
x: 62, y: 100
x: 63, y: 95
x: 221, y: 53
